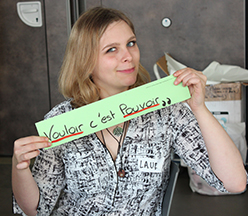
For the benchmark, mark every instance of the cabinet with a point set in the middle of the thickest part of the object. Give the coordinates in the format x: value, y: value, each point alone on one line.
x: 23, y: 77
x: 30, y: 59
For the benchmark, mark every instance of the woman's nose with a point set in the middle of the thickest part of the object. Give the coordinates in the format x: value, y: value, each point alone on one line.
x: 127, y: 56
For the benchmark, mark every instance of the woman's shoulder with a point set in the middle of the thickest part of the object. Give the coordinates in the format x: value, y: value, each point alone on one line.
x: 60, y: 108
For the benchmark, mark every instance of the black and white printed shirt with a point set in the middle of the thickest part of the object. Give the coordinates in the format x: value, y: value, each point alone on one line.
x: 80, y: 177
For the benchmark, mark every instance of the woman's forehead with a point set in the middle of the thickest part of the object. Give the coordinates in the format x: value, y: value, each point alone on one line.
x: 116, y: 32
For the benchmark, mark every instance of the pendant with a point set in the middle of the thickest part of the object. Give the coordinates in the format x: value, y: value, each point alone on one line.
x: 118, y: 131
x: 121, y: 173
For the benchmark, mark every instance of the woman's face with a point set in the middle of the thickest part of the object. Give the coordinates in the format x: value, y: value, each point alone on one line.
x: 118, y: 60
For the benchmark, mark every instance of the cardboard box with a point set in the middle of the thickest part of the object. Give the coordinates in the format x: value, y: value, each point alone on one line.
x: 228, y: 111
x: 224, y: 92
x: 226, y: 101
x: 162, y: 63
x: 244, y: 112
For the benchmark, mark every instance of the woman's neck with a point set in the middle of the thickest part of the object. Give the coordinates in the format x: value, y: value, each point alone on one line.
x: 107, y: 93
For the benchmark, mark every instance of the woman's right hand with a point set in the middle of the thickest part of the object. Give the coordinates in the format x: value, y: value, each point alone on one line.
x: 27, y: 148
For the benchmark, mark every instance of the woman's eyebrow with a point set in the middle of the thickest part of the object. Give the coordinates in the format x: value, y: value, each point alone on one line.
x: 110, y: 45
x: 131, y: 38
x: 116, y: 44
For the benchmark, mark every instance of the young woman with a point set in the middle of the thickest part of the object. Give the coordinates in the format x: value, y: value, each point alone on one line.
x: 104, y: 173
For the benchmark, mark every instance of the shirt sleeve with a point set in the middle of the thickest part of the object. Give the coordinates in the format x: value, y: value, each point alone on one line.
x: 190, y: 147
x: 48, y: 172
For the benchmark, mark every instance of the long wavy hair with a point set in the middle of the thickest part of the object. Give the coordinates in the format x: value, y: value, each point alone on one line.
x: 81, y: 55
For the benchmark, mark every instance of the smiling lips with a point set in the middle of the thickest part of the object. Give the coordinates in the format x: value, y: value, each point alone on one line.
x: 127, y: 70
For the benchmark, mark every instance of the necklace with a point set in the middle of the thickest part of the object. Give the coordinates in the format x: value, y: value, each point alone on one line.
x: 117, y: 131
x: 121, y: 172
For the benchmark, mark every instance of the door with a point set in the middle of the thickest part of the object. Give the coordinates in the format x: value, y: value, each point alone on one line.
x: 24, y: 92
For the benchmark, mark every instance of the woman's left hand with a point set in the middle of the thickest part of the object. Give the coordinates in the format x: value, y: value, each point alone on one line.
x: 196, y: 82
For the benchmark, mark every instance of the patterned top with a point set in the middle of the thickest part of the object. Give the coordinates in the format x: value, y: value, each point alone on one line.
x: 80, y: 177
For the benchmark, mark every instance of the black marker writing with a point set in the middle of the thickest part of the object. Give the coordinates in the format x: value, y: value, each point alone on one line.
x: 126, y: 111
x: 55, y: 136
x: 103, y: 119
x: 168, y: 102
x: 91, y: 124
x: 148, y: 164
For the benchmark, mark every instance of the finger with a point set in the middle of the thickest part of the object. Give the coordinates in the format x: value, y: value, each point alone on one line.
x: 30, y: 139
x: 27, y: 148
x: 184, y: 76
x: 29, y: 155
x: 19, y: 152
x: 28, y: 143
x: 24, y: 160
x: 35, y: 146
x: 191, y: 79
x: 195, y: 80
x: 189, y: 76
x: 178, y: 72
x: 22, y: 165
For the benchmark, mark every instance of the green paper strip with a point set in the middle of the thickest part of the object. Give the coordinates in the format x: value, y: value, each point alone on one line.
x: 112, y: 110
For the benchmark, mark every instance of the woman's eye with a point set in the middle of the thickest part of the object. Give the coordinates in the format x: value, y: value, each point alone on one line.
x: 131, y: 43
x: 111, y: 49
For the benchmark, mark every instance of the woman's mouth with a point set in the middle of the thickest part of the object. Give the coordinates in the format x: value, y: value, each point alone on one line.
x: 130, y: 70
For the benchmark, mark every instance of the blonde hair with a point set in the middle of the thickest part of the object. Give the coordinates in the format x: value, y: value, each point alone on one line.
x: 81, y: 56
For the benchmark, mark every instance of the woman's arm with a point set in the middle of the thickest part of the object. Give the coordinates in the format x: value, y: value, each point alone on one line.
x: 24, y: 187
x: 224, y: 156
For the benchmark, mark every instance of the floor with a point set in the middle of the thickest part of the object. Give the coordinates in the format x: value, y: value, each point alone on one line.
x: 185, y: 202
